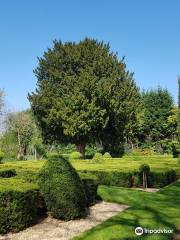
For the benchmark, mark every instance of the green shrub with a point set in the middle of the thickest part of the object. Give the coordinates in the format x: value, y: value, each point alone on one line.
x: 52, y: 154
x: 98, y: 157
x: 107, y: 155
x: 112, y: 178
x: 90, y: 187
x: 62, y: 189
x: 131, y: 179
x: 75, y: 155
x: 161, y: 179
x: 6, y: 173
x: 2, y: 155
x: 142, y: 152
x: 176, y: 149
x: 20, y: 204
x: 144, y: 168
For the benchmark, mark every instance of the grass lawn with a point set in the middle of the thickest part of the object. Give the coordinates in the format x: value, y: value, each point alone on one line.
x: 127, y: 163
x: 148, y: 210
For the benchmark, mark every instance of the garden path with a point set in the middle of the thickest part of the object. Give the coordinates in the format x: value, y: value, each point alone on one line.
x: 53, y: 229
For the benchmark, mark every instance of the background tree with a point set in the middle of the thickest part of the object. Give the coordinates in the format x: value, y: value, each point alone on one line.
x: 1, y: 100
x: 158, y: 105
x: 178, y: 109
x: 21, y: 126
x: 84, y: 94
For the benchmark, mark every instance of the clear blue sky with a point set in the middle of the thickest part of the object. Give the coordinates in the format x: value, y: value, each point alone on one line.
x: 146, y: 32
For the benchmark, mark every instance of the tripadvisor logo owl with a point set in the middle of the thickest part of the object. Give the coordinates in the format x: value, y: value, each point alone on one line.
x: 139, y: 231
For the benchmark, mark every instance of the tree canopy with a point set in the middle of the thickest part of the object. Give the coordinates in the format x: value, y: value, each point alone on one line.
x: 157, y: 113
x: 84, y: 94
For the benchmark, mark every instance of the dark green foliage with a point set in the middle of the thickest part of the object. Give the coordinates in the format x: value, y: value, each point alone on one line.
x: 90, y: 187
x: 62, y: 189
x: 161, y: 179
x: 175, y: 149
x: 19, y: 204
x: 84, y: 93
x: 112, y: 178
x: 6, y: 173
x: 144, y: 168
x: 158, y: 105
x: 132, y: 179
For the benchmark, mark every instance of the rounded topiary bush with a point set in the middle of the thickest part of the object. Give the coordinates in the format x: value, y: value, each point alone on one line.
x: 98, y: 157
x: 75, y: 155
x: 62, y: 189
x: 107, y: 155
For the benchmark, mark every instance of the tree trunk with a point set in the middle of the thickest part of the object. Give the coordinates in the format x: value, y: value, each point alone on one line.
x: 143, y: 180
x: 35, y: 153
x: 19, y: 144
x: 81, y: 148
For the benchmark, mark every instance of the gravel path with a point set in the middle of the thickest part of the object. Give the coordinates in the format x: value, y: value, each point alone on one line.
x: 53, y: 229
x: 147, y: 189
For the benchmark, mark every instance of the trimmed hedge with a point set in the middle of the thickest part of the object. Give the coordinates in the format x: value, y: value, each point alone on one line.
x: 132, y: 179
x: 90, y: 183
x: 7, y: 173
x: 20, y: 204
x: 62, y: 189
x: 75, y: 155
x: 111, y: 178
x: 107, y: 155
x: 97, y: 158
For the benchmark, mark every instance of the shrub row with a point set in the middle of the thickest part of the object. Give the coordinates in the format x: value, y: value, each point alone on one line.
x: 90, y: 183
x: 7, y: 173
x: 132, y: 179
x: 20, y: 204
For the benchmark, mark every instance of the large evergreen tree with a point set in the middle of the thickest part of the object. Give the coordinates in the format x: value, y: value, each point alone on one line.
x: 158, y: 105
x: 84, y: 94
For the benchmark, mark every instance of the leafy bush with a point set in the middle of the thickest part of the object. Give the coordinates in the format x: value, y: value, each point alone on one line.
x: 142, y: 152
x: 161, y: 179
x: 2, y: 155
x: 6, y: 173
x: 62, y: 189
x: 20, y: 204
x: 107, y: 155
x: 176, y: 149
x: 144, y: 168
x: 75, y: 155
x: 90, y: 187
x: 52, y: 154
x: 90, y: 151
x: 98, y: 157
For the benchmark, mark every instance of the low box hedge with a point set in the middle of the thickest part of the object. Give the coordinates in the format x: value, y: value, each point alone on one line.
x: 20, y: 204
x: 131, y: 179
x: 90, y: 183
